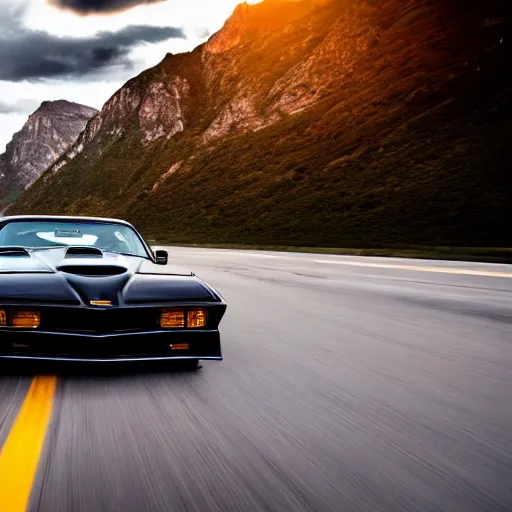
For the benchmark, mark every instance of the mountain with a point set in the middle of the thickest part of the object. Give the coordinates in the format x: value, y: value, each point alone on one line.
x: 310, y: 122
x: 47, y: 134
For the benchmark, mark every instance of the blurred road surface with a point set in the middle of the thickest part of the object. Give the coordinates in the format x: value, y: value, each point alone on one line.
x: 348, y: 384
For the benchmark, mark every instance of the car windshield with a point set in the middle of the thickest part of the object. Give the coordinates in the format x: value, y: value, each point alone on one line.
x: 48, y: 233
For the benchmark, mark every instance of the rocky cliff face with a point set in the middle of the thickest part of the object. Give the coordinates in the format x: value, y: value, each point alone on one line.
x: 47, y: 134
x: 309, y: 121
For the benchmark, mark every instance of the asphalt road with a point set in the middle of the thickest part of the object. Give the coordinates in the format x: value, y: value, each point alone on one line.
x: 348, y: 384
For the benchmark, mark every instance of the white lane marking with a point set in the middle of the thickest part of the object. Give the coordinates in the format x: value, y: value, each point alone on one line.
x: 237, y: 254
x: 440, y: 270
x: 265, y: 256
x: 333, y: 261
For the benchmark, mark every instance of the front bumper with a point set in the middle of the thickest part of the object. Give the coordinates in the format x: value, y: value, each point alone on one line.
x: 140, y: 346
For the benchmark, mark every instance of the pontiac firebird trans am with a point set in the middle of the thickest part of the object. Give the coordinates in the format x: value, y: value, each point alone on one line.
x: 91, y: 289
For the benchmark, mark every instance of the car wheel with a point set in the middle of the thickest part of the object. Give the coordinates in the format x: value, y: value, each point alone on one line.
x: 191, y: 365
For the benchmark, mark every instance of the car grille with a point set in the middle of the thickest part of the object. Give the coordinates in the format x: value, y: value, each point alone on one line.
x: 101, y: 321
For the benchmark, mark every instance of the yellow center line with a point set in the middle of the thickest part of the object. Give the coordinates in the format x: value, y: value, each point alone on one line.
x: 439, y: 270
x: 22, y: 449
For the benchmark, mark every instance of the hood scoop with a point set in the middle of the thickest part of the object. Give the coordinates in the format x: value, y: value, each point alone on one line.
x: 13, y: 251
x: 84, y: 252
x: 91, y: 262
x: 91, y: 269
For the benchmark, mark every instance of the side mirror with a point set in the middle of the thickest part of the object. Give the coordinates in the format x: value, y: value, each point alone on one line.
x: 161, y: 257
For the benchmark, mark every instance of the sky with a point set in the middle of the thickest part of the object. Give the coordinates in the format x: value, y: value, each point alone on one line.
x: 84, y: 50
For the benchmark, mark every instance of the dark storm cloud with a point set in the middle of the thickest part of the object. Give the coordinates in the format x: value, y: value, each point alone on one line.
x: 32, y: 54
x: 99, y: 6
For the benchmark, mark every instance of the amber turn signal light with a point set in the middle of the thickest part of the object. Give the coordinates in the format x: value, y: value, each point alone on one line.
x: 180, y: 346
x: 197, y: 318
x: 172, y: 318
x: 27, y: 319
x: 3, y: 318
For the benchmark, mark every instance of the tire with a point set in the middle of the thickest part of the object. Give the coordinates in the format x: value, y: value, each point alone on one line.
x: 191, y: 365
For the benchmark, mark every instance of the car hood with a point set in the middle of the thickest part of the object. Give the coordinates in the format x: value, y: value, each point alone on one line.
x: 56, y: 276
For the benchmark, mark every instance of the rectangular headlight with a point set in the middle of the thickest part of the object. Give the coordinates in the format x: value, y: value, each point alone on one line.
x: 172, y: 318
x: 3, y: 318
x: 24, y: 318
x: 197, y: 317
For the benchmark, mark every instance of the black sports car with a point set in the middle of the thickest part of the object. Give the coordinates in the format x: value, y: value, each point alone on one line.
x: 76, y: 288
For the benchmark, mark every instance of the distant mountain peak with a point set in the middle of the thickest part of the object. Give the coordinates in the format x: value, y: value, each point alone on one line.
x: 48, y: 133
x: 55, y: 103
x: 62, y: 106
